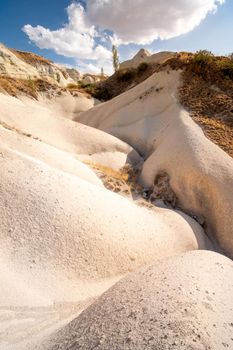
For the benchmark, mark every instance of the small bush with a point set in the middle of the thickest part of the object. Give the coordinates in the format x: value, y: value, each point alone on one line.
x: 32, y: 86
x: 72, y: 86
x: 90, y: 89
x: 102, y: 93
x: 126, y: 75
x: 226, y: 68
x: 203, y: 57
x: 142, y: 67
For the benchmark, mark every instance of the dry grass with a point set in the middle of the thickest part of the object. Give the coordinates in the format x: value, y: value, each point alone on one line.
x: 122, y: 174
x: 31, y: 58
x: 15, y: 87
x: 123, y: 181
x: 72, y: 86
x: 207, y: 93
x: 28, y: 87
x: 211, y: 106
x: 75, y: 89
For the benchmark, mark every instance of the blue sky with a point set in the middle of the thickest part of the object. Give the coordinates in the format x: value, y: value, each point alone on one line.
x: 213, y: 33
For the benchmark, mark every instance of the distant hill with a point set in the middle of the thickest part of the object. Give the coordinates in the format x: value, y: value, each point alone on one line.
x: 144, y: 56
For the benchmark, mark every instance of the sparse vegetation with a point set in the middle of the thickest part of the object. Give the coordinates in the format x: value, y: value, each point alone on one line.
x: 58, y: 78
x: 226, y: 68
x: 123, y: 181
x: 207, y: 92
x: 142, y: 67
x: 102, y: 93
x: 209, y: 67
x: 89, y: 89
x: 203, y: 57
x: 30, y: 87
x: 73, y: 86
x: 126, y: 75
x: 122, y: 80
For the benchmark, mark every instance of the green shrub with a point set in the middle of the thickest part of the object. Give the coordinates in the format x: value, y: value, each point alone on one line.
x: 226, y: 68
x: 102, y: 93
x: 32, y: 85
x: 72, y: 86
x: 142, y: 67
x: 203, y: 57
x: 90, y: 89
x: 126, y: 75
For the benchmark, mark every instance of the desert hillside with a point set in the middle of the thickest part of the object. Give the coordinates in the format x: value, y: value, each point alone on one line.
x: 206, y: 89
x: 116, y: 204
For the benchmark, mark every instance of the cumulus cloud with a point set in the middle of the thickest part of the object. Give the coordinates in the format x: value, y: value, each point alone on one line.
x: 86, y: 35
x: 76, y: 39
x: 142, y: 22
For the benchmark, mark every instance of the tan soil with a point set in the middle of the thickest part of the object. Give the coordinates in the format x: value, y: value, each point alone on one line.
x: 211, y: 107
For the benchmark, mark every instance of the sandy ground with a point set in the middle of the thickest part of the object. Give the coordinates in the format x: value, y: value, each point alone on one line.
x: 156, y: 308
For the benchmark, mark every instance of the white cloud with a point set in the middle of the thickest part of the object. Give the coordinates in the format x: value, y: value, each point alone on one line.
x: 76, y: 39
x: 141, y: 22
x: 84, y: 37
x: 95, y: 67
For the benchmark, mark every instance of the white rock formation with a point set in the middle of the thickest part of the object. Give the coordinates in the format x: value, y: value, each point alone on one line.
x: 45, y: 120
x: 150, y: 119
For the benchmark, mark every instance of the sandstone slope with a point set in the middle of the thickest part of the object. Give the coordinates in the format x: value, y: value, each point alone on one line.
x: 44, y: 120
x: 150, y: 119
x: 158, y: 308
